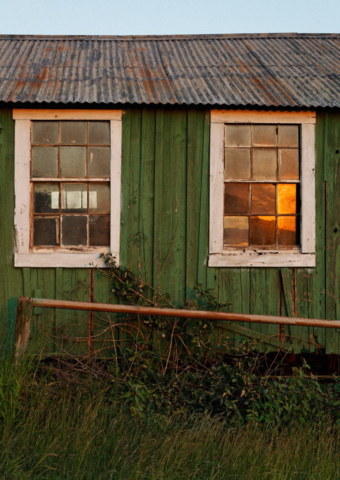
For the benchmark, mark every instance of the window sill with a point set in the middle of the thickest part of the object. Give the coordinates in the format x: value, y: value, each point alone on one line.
x: 253, y: 258
x: 60, y: 260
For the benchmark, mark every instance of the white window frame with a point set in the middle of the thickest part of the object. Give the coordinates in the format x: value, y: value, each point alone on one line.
x: 250, y: 256
x: 23, y: 256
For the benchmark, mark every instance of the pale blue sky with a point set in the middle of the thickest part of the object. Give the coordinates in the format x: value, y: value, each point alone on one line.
x: 157, y: 17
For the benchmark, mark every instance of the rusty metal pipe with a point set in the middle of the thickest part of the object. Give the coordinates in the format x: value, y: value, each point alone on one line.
x: 173, y: 312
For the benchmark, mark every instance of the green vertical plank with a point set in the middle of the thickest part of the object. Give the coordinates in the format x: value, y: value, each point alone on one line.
x: 170, y: 214
x: 204, y: 212
x: 126, y: 152
x: 46, y: 321
x: 76, y: 287
x: 264, y: 298
x: 11, y: 279
x: 159, y: 160
x: 135, y: 238
x: 105, y: 336
x: 146, y: 194
x: 27, y: 282
x: 195, y: 192
x: 59, y: 327
x: 299, y: 335
x: 332, y: 176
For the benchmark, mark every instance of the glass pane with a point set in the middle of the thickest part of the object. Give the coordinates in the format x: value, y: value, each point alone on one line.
x: 45, y: 133
x: 289, y: 164
x: 46, y: 198
x: 44, y: 162
x: 237, y: 136
x: 264, y: 163
x: 74, y: 230
x: 74, y: 197
x: 286, y: 230
x: 73, y: 133
x: 72, y: 161
x: 288, y: 136
x: 99, y: 161
x: 237, y: 163
x: 99, y: 198
x: 262, y: 231
x: 236, y: 230
x: 262, y: 198
x: 99, y: 133
x: 286, y: 198
x: 46, y: 231
x: 100, y: 230
x: 236, y: 197
x: 265, y: 135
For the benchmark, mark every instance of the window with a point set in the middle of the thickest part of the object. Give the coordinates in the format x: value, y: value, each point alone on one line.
x: 67, y: 181
x: 262, y: 193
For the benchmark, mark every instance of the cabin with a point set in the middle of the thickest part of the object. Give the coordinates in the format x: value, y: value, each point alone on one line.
x: 201, y: 160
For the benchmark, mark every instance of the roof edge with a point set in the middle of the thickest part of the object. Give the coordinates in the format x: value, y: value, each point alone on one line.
x: 170, y: 37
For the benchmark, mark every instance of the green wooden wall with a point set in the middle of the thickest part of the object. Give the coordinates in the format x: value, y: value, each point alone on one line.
x: 164, y: 237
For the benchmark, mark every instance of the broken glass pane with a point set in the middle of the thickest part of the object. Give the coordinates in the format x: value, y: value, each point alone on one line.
x: 262, y: 198
x: 45, y: 162
x: 99, y: 230
x: 99, y: 198
x: 45, y: 133
x: 286, y: 230
x: 265, y: 135
x: 46, y: 231
x: 289, y: 164
x: 72, y: 161
x: 46, y: 197
x: 99, y: 161
x: 264, y: 163
x: 236, y: 231
x: 236, y: 198
x: 73, y: 133
x: 99, y: 133
x: 237, y: 163
x: 262, y: 230
x: 74, y: 197
x: 237, y: 135
x: 74, y: 230
x: 289, y: 136
x: 286, y: 198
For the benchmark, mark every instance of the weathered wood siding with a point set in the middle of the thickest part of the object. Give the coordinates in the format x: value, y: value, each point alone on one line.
x: 164, y: 233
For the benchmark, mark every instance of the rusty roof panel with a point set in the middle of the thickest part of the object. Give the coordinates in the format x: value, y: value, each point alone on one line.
x: 287, y: 70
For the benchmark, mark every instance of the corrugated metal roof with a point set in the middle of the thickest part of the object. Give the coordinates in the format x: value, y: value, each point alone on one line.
x: 289, y: 70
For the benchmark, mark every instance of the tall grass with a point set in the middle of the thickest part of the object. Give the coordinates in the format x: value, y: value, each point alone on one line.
x: 72, y: 434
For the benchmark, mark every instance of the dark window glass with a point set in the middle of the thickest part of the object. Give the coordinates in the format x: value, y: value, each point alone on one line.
x: 262, y: 230
x: 236, y: 198
x: 73, y: 133
x: 287, y: 230
x: 44, y: 162
x: 74, y: 230
x: 73, y: 161
x: 262, y: 198
x: 99, y: 133
x: 236, y: 231
x: 46, y: 197
x: 45, y: 133
x: 46, y: 231
x: 99, y: 161
x: 99, y: 230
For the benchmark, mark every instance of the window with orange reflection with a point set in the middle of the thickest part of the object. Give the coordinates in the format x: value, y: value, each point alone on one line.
x: 262, y: 185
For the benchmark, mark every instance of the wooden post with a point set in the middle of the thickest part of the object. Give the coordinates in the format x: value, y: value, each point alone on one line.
x: 22, y: 327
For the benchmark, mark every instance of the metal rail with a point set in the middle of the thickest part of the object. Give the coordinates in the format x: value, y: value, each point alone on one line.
x: 174, y: 312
